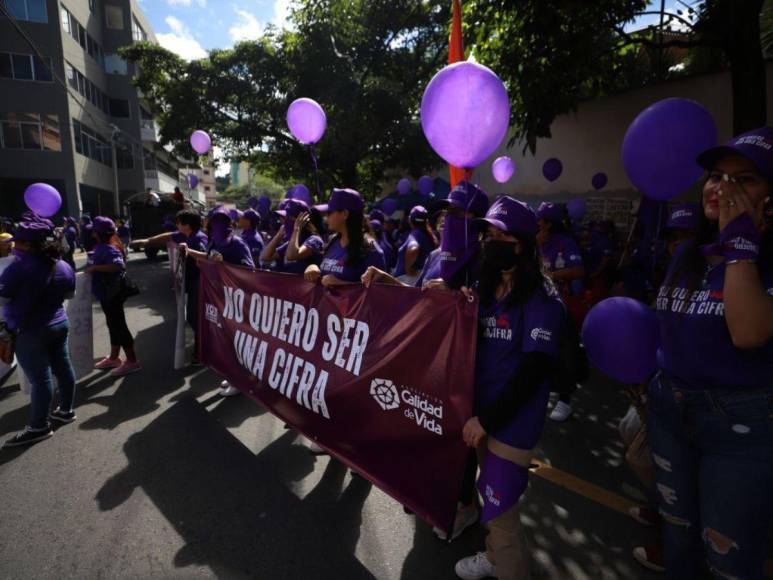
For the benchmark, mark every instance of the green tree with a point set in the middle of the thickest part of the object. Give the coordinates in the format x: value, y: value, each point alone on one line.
x: 552, y: 54
x: 258, y: 186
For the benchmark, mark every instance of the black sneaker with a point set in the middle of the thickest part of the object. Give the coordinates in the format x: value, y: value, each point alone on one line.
x: 29, y: 436
x: 59, y: 415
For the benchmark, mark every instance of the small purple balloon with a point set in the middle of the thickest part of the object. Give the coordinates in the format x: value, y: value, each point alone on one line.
x: 465, y: 113
x: 576, y: 208
x: 200, y: 142
x: 43, y: 199
x: 264, y: 204
x: 599, y: 181
x: 621, y: 337
x: 389, y: 206
x: 404, y: 186
x: 660, y: 147
x: 426, y: 184
x: 193, y: 181
x: 253, y: 202
x: 306, y: 120
x: 502, y: 169
x: 552, y: 169
x: 299, y: 191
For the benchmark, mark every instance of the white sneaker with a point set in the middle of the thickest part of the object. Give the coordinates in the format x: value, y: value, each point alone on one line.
x: 475, y: 567
x: 227, y: 390
x: 466, y: 516
x: 561, y: 412
x: 316, y: 449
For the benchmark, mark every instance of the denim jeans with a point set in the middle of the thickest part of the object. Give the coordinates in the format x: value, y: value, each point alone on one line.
x: 40, y: 353
x: 713, y: 456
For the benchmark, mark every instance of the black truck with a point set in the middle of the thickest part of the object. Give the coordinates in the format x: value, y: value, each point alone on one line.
x: 147, y: 215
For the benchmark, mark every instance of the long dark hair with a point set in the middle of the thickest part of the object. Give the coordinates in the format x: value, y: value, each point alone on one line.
x: 48, y: 249
x: 359, y: 245
x: 110, y: 238
x: 528, y: 277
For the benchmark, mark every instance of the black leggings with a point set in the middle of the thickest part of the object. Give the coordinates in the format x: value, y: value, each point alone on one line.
x: 120, y: 335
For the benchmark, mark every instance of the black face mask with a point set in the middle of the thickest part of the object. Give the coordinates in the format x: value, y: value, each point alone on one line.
x: 499, y: 255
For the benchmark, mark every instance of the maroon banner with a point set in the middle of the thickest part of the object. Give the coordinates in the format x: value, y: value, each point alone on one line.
x: 380, y: 377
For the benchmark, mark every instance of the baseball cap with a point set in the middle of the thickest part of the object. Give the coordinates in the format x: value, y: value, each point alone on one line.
x: 467, y: 197
x: 511, y: 216
x: 342, y: 199
x: 252, y: 216
x: 756, y: 145
x: 418, y: 214
x: 551, y: 212
x: 293, y: 208
x: 684, y: 217
x: 103, y: 224
x: 33, y: 228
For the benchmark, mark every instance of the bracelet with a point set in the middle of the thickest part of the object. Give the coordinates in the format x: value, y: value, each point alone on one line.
x: 748, y: 261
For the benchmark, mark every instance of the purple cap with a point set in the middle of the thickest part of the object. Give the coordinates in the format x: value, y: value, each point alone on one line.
x: 219, y: 211
x: 376, y: 225
x: 511, y: 216
x: 418, y: 214
x: 551, y: 212
x: 342, y: 199
x: 377, y: 215
x: 756, y: 145
x: 33, y: 228
x: 252, y: 216
x: 684, y: 217
x: 103, y: 225
x: 467, y: 197
x: 293, y: 208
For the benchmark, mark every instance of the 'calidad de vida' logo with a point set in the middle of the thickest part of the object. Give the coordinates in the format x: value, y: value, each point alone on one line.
x: 420, y: 409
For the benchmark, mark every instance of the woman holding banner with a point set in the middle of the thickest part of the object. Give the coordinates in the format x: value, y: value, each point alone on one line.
x: 520, y: 320
x: 350, y: 251
x: 35, y: 287
x: 248, y: 224
x: 414, y: 251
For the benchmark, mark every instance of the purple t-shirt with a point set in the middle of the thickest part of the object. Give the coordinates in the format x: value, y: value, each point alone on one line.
x: 696, y: 347
x: 600, y: 247
x: 105, y: 254
x: 234, y: 251
x: 334, y: 261
x: 560, y: 252
x: 254, y: 242
x: 421, y: 239
x: 504, y: 335
x: 299, y: 266
x: 197, y: 241
x: 431, y: 269
x: 389, y: 252
x: 36, y: 290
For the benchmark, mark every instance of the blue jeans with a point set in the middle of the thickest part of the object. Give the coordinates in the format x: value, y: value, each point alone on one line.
x: 40, y: 353
x: 713, y: 456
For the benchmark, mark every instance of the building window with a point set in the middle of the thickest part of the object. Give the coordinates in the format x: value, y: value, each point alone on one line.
x: 30, y: 131
x: 206, y: 188
x: 120, y: 108
x: 92, y: 6
x: 115, y: 65
x: 114, y: 17
x: 25, y: 67
x: 66, y: 25
x: 32, y: 10
x: 138, y: 34
x: 79, y: 34
x: 86, y: 88
x: 124, y: 156
x: 206, y: 172
x: 91, y: 144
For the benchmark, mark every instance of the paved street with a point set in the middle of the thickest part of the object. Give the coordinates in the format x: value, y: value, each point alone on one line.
x: 161, y: 478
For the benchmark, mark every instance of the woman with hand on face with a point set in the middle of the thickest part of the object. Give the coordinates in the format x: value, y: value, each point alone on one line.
x: 711, y: 405
x: 298, y: 243
x: 350, y: 251
x: 520, y: 320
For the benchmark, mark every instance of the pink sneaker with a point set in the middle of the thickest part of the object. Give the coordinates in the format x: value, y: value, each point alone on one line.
x: 126, y: 368
x: 108, y: 363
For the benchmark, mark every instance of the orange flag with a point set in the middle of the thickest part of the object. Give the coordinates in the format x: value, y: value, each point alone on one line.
x: 456, y: 54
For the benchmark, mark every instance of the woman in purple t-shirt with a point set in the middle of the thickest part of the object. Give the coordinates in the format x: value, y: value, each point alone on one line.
x: 35, y: 286
x: 350, y: 251
x: 711, y: 404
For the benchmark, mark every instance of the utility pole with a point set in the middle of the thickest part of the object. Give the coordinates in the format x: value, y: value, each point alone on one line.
x: 116, y: 200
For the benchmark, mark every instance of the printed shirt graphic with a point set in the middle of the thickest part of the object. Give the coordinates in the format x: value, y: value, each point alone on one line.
x: 334, y: 262
x: 234, y: 251
x: 299, y: 266
x: 696, y: 347
x: 504, y: 335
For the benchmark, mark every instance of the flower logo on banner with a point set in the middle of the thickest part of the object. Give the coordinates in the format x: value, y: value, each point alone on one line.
x: 385, y: 394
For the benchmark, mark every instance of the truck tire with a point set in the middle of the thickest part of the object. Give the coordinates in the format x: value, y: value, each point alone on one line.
x: 151, y: 253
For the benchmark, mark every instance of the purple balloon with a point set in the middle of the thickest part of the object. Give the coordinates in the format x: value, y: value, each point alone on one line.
x: 43, y: 199
x: 660, y: 147
x: 234, y: 214
x: 621, y: 336
x: 426, y: 184
x: 306, y: 120
x: 264, y: 204
x: 552, y: 169
x: 300, y: 192
x: 389, y: 206
x: 193, y: 181
x: 576, y: 208
x: 465, y: 113
x: 252, y: 202
x: 503, y: 169
x: 200, y: 142
x: 404, y: 186
x: 599, y: 181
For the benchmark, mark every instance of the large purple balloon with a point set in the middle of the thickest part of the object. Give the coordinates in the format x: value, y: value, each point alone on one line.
x: 599, y: 181
x: 306, y: 120
x: 621, y: 336
x: 200, y: 142
x: 502, y: 169
x: 426, y: 184
x: 465, y: 113
x: 662, y: 143
x: 299, y: 191
x: 404, y: 186
x: 576, y: 208
x: 389, y: 206
x: 43, y: 199
x: 552, y: 169
x: 193, y: 181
